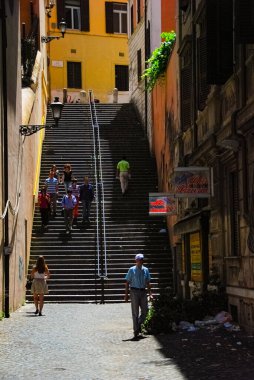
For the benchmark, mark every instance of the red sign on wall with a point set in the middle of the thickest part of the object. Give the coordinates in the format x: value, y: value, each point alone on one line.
x: 162, y: 204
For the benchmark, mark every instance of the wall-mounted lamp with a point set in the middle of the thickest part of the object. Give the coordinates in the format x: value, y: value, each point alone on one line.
x: 49, y: 7
x: 56, y: 109
x: 62, y: 27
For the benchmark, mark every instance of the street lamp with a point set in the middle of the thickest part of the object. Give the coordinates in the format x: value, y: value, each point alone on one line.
x: 62, y: 27
x: 56, y: 109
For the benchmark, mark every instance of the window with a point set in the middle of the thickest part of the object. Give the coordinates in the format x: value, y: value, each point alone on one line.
x: 122, y: 77
x: 74, y: 75
x: 132, y: 20
x: 234, y: 209
x: 139, y: 64
x: 186, y: 86
x: 138, y: 11
x: 75, y: 13
x: 116, y: 17
x: 72, y: 14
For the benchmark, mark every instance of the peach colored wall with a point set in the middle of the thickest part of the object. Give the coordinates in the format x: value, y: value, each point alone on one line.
x: 165, y: 108
x: 168, y: 13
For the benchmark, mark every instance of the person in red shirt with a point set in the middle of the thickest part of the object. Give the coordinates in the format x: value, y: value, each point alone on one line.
x: 44, y: 204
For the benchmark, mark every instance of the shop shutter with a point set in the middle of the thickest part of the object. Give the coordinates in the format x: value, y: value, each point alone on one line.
x: 186, y: 85
x: 219, y: 17
x: 203, y: 87
x: 244, y: 21
x: 84, y: 11
x: 60, y: 11
x: 109, y: 17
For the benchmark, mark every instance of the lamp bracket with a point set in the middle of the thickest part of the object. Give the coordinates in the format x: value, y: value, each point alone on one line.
x: 46, y: 39
x: 28, y: 130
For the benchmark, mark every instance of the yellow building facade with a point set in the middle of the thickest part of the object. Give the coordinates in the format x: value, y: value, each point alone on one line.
x: 93, y: 55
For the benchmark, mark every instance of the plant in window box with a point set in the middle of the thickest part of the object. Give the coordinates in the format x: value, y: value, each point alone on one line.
x: 159, y: 60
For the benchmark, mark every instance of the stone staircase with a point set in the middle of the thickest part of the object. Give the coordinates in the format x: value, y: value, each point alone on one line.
x: 72, y: 260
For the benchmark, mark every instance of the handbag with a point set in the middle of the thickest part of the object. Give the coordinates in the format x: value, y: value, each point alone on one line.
x: 29, y: 282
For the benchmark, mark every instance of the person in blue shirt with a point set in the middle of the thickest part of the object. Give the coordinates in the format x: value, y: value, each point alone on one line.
x: 68, y: 204
x: 138, y: 282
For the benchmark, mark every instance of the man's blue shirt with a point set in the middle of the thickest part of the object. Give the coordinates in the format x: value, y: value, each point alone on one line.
x: 138, y: 278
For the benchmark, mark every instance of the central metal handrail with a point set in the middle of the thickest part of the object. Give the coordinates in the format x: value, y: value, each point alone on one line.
x: 99, y: 188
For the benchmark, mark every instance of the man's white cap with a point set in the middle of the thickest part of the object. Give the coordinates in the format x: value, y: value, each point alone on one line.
x: 139, y: 256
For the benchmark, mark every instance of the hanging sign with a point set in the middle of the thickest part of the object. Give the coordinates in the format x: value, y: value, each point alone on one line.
x: 192, y: 181
x: 162, y: 204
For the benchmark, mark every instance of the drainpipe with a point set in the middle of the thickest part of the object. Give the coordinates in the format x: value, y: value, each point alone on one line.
x: 146, y: 65
x: 4, y: 153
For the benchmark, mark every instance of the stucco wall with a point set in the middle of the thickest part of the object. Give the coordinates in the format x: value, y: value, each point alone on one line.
x: 166, y: 127
x: 23, y: 158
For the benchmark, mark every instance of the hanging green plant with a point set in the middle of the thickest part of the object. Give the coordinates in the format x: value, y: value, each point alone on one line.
x: 159, y: 60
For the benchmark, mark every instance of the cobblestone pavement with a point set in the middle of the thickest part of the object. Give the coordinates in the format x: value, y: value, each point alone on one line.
x: 93, y: 342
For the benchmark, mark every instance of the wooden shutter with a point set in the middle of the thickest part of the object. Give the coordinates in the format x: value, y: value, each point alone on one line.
x: 234, y: 209
x: 60, y: 11
x: 244, y: 21
x: 203, y: 87
x: 132, y: 20
x: 139, y: 64
x: 109, y: 17
x: 219, y: 18
x: 84, y: 15
x: 183, y: 4
x: 186, y: 85
x: 138, y: 11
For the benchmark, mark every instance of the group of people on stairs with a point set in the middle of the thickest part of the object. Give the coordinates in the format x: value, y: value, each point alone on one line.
x: 74, y: 194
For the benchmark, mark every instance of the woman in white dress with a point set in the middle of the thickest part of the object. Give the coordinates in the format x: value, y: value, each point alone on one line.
x: 39, y: 274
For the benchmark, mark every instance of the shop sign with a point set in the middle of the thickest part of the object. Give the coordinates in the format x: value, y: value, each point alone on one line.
x: 191, y: 182
x: 162, y: 204
x: 195, y: 257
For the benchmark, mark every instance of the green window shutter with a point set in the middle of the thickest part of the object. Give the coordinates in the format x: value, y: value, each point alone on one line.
x: 109, y: 17
x: 84, y: 12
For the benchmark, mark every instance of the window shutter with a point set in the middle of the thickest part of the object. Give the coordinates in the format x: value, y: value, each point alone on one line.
x: 84, y: 12
x: 183, y: 4
x: 109, y: 17
x: 244, y: 21
x: 203, y: 87
x: 186, y: 84
x: 219, y: 19
x: 139, y: 65
x: 132, y: 20
x: 234, y: 208
x: 138, y: 11
x: 60, y: 11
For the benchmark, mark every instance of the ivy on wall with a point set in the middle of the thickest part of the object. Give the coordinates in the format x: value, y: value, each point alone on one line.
x: 158, y: 61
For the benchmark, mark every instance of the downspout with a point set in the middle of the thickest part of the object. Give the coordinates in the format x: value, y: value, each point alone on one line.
x: 146, y: 65
x: 4, y: 153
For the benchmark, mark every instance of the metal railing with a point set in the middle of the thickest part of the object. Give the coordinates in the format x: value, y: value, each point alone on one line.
x: 100, y: 202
